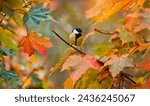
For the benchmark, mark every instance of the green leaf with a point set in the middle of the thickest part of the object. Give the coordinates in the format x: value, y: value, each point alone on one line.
x: 125, y: 36
x: 35, y: 15
x: 6, y: 51
x: 6, y: 38
x: 102, y: 48
x: 14, y: 83
x: 7, y: 75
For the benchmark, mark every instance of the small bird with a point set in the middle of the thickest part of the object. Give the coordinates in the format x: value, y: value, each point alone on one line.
x: 76, y: 37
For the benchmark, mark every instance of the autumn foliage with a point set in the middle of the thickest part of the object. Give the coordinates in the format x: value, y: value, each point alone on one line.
x: 31, y: 42
x: 35, y: 51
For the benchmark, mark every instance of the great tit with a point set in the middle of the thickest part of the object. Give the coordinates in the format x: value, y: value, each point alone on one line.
x: 76, y: 37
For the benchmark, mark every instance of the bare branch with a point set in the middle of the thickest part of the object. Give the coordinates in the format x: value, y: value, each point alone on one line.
x: 106, y: 32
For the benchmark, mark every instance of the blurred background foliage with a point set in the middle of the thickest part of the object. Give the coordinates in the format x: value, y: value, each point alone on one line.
x: 67, y: 14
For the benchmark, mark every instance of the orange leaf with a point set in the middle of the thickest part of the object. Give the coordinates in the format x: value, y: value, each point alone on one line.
x: 79, y: 64
x: 141, y: 48
x: 103, y: 9
x: 68, y: 84
x: 31, y: 42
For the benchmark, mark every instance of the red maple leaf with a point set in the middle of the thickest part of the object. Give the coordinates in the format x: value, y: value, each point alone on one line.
x: 79, y: 64
x: 31, y: 42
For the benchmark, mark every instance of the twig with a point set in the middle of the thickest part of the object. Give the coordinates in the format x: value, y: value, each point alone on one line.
x: 106, y: 32
x: 130, y: 79
x: 67, y: 42
x: 126, y: 75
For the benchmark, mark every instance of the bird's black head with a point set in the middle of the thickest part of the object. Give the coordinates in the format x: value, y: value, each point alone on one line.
x: 77, y: 30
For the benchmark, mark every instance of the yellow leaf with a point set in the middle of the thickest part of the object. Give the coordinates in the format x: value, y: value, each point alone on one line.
x: 27, y: 83
x: 141, y: 48
x: 103, y: 9
x: 140, y: 80
x: 7, y: 39
x: 68, y: 84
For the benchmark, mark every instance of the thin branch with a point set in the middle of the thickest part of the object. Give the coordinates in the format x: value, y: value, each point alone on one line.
x: 106, y: 32
x: 127, y: 76
x: 67, y: 42
x: 130, y: 79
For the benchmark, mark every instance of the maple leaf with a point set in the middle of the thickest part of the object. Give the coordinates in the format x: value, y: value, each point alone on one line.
x: 138, y: 20
x: 35, y: 15
x: 60, y: 63
x: 103, y: 9
x: 79, y: 64
x: 132, y: 22
x: 31, y: 42
x: 117, y: 63
x: 146, y: 64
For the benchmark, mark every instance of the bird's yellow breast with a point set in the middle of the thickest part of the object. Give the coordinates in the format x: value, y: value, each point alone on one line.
x: 72, y: 39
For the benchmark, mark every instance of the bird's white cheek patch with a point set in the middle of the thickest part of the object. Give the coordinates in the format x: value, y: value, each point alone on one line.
x: 75, y: 32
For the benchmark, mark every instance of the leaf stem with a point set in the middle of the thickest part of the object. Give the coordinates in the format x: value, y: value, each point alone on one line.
x: 106, y: 32
x: 67, y: 42
x: 26, y: 28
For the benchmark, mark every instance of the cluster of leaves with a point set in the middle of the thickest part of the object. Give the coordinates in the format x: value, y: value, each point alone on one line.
x: 21, y: 13
x: 123, y: 62
x: 119, y: 61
